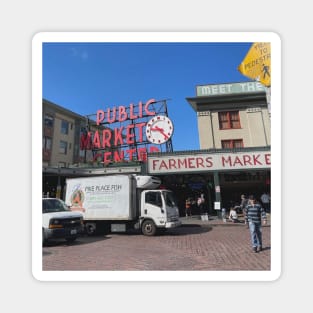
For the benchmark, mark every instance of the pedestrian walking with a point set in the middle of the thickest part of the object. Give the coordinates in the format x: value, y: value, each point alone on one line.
x: 255, y: 215
x: 265, y: 198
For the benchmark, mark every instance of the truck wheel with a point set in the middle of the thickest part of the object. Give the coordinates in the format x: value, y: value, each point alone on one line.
x: 148, y: 228
x: 90, y: 229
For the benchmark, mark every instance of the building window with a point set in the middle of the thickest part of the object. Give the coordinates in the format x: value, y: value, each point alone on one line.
x: 63, y: 147
x: 232, y: 144
x: 46, y: 143
x: 64, y: 127
x: 229, y: 120
x: 48, y: 120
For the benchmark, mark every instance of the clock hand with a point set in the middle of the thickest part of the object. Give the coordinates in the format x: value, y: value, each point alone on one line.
x: 161, y: 130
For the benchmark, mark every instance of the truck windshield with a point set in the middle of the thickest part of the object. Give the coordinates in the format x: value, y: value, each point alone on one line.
x: 169, y: 198
x: 53, y: 205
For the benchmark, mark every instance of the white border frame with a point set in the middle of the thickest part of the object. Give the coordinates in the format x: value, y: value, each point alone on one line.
x: 276, y: 218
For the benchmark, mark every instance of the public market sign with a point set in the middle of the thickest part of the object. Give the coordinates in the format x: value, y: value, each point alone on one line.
x: 229, y: 89
x: 203, y: 162
x: 156, y: 131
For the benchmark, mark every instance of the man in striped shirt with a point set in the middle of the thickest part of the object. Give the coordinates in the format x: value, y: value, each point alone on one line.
x: 255, y: 214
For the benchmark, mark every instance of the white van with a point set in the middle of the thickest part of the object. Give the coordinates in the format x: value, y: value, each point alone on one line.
x: 59, y: 222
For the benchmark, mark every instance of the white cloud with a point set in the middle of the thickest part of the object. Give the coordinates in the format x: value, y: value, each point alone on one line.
x: 82, y: 54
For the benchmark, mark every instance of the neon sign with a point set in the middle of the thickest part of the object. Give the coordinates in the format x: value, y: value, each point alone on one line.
x: 112, y: 139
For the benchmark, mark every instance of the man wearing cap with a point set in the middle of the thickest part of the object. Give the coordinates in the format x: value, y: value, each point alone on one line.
x: 255, y: 214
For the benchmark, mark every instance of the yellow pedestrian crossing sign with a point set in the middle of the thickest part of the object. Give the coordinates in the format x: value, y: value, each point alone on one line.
x: 257, y: 63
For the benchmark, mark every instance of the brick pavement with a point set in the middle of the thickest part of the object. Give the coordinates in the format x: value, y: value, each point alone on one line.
x: 197, y: 245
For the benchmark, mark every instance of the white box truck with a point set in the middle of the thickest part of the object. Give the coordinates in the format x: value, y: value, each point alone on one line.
x: 118, y: 203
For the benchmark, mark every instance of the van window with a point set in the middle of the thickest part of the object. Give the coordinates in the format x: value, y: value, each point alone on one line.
x: 53, y: 205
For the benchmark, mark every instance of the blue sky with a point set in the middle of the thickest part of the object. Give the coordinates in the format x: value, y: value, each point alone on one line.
x: 86, y: 77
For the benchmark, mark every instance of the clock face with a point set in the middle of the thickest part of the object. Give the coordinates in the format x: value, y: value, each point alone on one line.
x: 159, y: 129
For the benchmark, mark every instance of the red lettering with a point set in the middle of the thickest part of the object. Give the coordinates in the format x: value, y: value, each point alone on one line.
x: 142, y: 154
x: 132, y: 116
x: 190, y: 161
x: 182, y: 163
x: 106, y: 157
x: 130, y: 134
x: 140, y: 131
x: 85, y: 141
x: 247, y: 160
x: 118, y: 136
x: 199, y: 162
x: 163, y: 164
x: 118, y: 156
x: 228, y: 160
x: 100, y: 116
x: 154, y: 164
x: 106, y: 138
x: 209, y: 162
x: 96, y: 140
x: 147, y: 107
x: 113, y: 119
x: 237, y: 161
x: 131, y: 153
x: 255, y: 160
x: 172, y: 163
x: 122, y: 115
x: 267, y: 159
x: 140, y: 109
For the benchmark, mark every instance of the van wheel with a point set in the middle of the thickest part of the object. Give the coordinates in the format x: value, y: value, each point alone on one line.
x: 148, y: 228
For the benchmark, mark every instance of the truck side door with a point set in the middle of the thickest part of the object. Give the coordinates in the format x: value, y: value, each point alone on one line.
x: 153, y: 205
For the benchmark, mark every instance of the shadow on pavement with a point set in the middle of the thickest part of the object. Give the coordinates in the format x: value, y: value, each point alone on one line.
x: 188, y: 229
x: 84, y: 239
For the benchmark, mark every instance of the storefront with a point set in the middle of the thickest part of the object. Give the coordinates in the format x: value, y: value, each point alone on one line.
x: 234, y: 156
x: 220, y: 175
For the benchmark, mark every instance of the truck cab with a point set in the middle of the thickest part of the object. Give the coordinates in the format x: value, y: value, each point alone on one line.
x: 159, y: 211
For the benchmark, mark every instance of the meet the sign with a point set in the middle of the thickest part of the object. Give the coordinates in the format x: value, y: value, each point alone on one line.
x: 227, y: 89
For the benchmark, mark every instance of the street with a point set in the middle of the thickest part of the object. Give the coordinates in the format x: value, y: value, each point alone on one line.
x: 196, y: 245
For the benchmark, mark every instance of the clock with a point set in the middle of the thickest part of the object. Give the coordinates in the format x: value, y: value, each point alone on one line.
x: 159, y: 129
